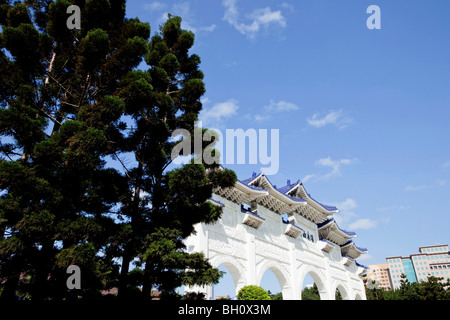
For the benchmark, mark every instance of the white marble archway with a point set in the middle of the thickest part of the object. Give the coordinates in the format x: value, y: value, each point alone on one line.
x: 248, y: 242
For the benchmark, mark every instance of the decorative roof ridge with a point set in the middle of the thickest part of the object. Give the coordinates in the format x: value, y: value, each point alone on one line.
x: 248, y: 182
x: 289, y: 186
x: 327, y: 207
x: 250, y: 186
x: 299, y: 183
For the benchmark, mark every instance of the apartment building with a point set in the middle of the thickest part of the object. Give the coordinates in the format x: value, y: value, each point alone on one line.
x: 380, y: 274
x: 430, y: 261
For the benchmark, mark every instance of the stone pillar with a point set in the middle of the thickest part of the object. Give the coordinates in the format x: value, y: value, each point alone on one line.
x: 251, y: 259
x: 293, y: 281
x: 202, y: 245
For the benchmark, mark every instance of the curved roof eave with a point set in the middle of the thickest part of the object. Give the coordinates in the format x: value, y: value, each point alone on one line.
x: 271, y: 189
x: 353, y: 245
x: 317, y: 205
x: 332, y: 221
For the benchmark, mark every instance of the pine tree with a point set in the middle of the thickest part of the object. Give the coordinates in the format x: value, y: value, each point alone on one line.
x: 73, y: 99
x: 59, y: 118
x: 163, y: 206
x: 311, y: 293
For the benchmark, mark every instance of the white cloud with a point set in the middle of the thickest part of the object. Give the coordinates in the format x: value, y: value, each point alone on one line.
x: 219, y: 112
x: 281, y: 106
x: 260, y: 117
x: 287, y: 6
x: 275, y: 107
x: 363, y: 224
x: 230, y: 64
x: 335, y: 166
x: 209, y: 28
x: 307, y: 177
x: 346, y: 212
x: 446, y: 165
x: 336, y: 118
x: 365, y: 256
x: 182, y: 9
x: 259, y: 18
x: 393, y: 208
x: 155, y: 6
x: 437, y: 183
x: 346, y: 218
x: 347, y: 205
x: 205, y: 100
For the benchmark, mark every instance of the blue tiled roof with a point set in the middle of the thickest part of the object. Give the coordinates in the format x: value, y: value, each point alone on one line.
x: 218, y: 202
x: 349, y: 233
x: 289, y: 187
x: 247, y: 183
x: 361, y: 249
x: 293, y: 198
x: 362, y: 266
x: 329, y: 208
x: 351, y: 242
x: 249, y: 180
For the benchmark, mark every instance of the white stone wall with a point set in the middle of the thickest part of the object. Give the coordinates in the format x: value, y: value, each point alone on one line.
x: 248, y: 253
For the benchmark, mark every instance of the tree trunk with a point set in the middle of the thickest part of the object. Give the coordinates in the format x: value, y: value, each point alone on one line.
x: 123, y: 280
x: 43, y: 269
x: 147, y: 283
x: 9, y: 290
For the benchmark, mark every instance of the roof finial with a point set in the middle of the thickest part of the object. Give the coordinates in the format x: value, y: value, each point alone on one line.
x: 254, y: 175
x: 288, y: 182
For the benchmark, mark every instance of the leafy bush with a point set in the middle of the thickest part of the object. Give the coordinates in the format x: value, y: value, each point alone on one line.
x: 253, y: 293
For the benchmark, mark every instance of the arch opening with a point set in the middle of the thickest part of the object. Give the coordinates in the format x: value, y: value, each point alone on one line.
x: 271, y: 284
x: 229, y: 283
x: 341, y: 293
x: 279, y: 275
x: 310, y: 290
x: 338, y: 294
x: 312, y: 287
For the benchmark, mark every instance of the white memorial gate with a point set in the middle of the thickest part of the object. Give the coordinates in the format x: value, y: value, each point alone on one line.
x: 284, y: 230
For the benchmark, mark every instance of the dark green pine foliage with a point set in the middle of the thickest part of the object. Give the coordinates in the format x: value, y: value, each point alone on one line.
x: 65, y: 95
x: 163, y: 206
x: 60, y: 117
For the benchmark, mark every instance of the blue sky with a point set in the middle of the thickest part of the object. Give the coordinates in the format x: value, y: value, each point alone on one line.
x: 362, y: 114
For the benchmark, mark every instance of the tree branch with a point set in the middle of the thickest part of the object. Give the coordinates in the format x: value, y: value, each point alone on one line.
x: 123, y: 165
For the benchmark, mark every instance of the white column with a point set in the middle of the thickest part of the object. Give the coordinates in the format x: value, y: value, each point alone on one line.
x: 251, y: 259
x: 293, y: 280
x: 202, y: 245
